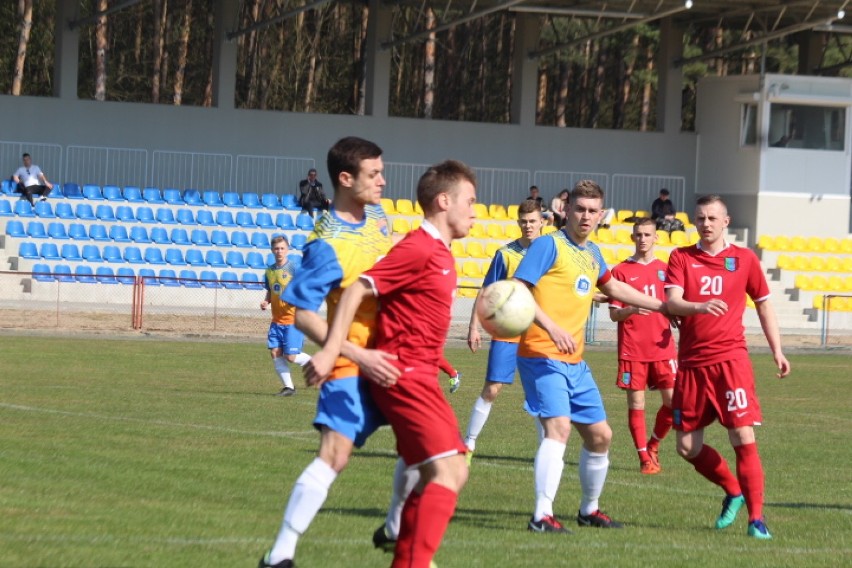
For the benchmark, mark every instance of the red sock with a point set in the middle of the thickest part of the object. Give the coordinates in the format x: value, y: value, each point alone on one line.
x: 750, y: 476
x: 663, y: 423
x: 423, y: 526
x: 636, y: 423
x: 713, y: 466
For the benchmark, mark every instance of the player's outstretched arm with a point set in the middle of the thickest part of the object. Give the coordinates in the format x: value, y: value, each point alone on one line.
x: 677, y: 306
x: 629, y: 295
x: 769, y: 323
x: 474, y: 340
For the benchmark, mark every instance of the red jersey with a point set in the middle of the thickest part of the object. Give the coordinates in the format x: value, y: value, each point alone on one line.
x: 730, y: 275
x: 415, y: 285
x: 644, y: 338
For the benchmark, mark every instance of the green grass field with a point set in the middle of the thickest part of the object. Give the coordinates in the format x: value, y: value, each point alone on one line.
x: 166, y: 453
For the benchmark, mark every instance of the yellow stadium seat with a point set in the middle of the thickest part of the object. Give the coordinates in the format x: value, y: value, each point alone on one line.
x: 642, y: 213
x: 609, y: 256
x: 798, y: 244
x: 679, y: 239
x: 835, y: 303
x: 831, y: 244
x: 662, y: 254
x: 622, y: 214
x: 477, y: 231
x: 782, y: 243
x: 663, y: 238
x: 847, y: 284
x: 847, y: 264
x: 512, y: 212
x: 819, y: 282
x: 623, y: 254
x: 458, y: 269
x: 404, y: 207
x: 401, y: 225
x: 476, y: 250
x: 481, y: 211
x: 815, y: 244
x: 683, y: 218
x: 749, y: 302
x: 818, y: 301
x: 694, y: 237
x: 766, y: 242
x: 495, y: 231
x: 835, y: 284
x: 492, y: 248
x: 801, y: 263
x: 415, y: 223
x: 846, y: 245
x: 816, y: 263
x: 387, y: 205
x: 457, y: 248
x: 546, y: 230
x: 513, y: 232
x: 498, y: 211
x: 833, y: 264
x: 784, y: 261
x: 803, y: 282
x: 467, y: 289
x: 605, y: 236
x: 624, y: 236
x: 470, y: 269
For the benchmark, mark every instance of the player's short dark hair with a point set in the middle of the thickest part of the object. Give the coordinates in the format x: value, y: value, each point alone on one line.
x: 712, y: 198
x: 664, y: 191
x: 529, y: 206
x: 588, y: 189
x: 346, y: 156
x: 25, y: 155
x: 439, y: 179
x: 644, y: 221
x: 277, y: 239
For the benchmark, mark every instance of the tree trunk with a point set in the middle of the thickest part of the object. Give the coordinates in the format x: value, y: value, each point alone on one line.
x: 562, y: 94
x: 25, y: 12
x: 626, y: 79
x: 207, y: 99
x: 313, y: 62
x: 600, y: 80
x: 510, y: 61
x: 160, y: 13
x: 361, y: 65
x: 541, y: 95
x: 183, y: 51
x: 645, y: 115
x: 100, y: 53
x: 429, y: 66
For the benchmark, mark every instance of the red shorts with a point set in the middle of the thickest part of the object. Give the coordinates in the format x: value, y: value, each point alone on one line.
x: 639, y: 375
x: 422, y: 420
x: 722, y: 390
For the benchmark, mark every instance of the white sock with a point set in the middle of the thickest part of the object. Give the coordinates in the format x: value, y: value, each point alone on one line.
x: 593, y: 469
x: 404, y: 480
x: 307, y: 497
x: 548, y: 473
x: 478, y: 418
x: 283, y: 370
x: 301, y: 359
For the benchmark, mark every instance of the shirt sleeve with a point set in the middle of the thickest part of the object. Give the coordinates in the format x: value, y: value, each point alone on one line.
x: 538, y: 260
x: 401, y: 267
x: 319, y: 274
x: 604, y: 274
x: 675, y: 274
x: 496, y: 270
x: 756, y: 287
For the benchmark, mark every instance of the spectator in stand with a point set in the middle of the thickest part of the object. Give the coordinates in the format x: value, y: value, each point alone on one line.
x: 535, y: 195
x: 663, y: 212
x: 311, y: 196
x: 31, y: 180
x: 557, y: 206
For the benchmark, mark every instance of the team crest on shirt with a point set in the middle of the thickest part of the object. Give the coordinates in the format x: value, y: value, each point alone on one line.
x: 583, y: 285
x: 276, y: 288
x: 625, y: 378
x: 661, y: 274
x: 730, y: 264
x: 383, y: 226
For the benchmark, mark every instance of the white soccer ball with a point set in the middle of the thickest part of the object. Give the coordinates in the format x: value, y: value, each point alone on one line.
x: 505, y: 308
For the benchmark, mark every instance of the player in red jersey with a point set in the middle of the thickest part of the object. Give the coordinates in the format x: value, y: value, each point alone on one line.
x: 707, y: 284
x: 646, y: 348
x: 415, y: 284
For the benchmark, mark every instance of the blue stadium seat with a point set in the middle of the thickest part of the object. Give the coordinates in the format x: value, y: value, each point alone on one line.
x: 209, y: 279
x: 178, y: 236
x: 288, y: 201
x: 270, y: 201
x: 148, y: 277
x: 118, y: 233
x: 24, y: 209
x: 200, y: 238
x: 244, y: 219
x: 133, y: 255
x: 42, y: 273
x: 57, y: 231
x: 175, y: 256
x: 92, y: 192
x: 57, y: 191
x: 64, y: 211
x: 154, y: 255
x: 6, y: 208
x: 77, y: 231
x: 48, y: 251
x: 124, y: 213
x: 189, y: 278
x: 270, y: 259
x: 139, y: 234
x: 295, y: 260
x: 231, y: 199
x: 305, y: 222
x: 215, y: 259
x: 192, y: 197
x: 98, y: 233
x: 28, y: 250
x: 211, y: 198
x: 185, y: 217
x: 105, y: 212
x: 125, y: 274
x: 7, y: 186
x: 72, y: 191
x: 113, y: 193
x: 225, y: 219
x: 229, y: 280
x: 133, y: 194
x: 255, y: 260
x: 205, y: 218
x: 168, y: 277
x: 240, y: 239
x: 165, y: 216
x: 195, y: 258
x: 112, y: 253
x: 172, y: 196
x: 62, y: 273
x: 106, y: 275
x: 84, y: 212
x: 71, y: 253
x: 15, y: 229
x: 44, y: 210
x: 84, y: 274
x: 264, y: 220
x: 35, y: 230
x: 235, y: 259
x: 252, y: 201
x: 145, y: 214
x: 160, y: 236
x: 259, y: 240
x: 219, y: 238
x: 152, y: 195
x: 298, y: 241
x: 251, y: 281
x: 285, y: 221
x: 92, y: 253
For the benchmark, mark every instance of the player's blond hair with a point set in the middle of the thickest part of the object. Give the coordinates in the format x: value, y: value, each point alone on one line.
x: 277, y: 239
x: 644, y: 221
x: 442, y: 178
x: 588, y: 189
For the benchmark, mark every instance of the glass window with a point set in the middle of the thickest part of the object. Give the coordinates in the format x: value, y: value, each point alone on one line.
x: 748, y: 128
x: 809, y: 127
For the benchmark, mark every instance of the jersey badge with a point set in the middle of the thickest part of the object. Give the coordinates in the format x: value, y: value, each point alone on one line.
x: 661, y: 275
x: 383, y: 227
x: 625, y: 378
x: 583, y: 285
x: 276, y: 288
x: 731, y: 264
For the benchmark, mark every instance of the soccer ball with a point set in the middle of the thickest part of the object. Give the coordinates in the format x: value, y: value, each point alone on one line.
x: 505, y: 308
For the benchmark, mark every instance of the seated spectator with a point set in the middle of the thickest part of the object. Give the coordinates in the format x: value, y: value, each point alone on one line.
x: 557, y: 206
x: 607, y: 216
x: 311, y: 196
x: 535, y: 195
x: 663, y: 212
x: 31, y: 180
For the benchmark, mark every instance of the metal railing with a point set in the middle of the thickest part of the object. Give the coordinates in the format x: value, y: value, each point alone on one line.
x: 48, y: 157
x: 107, y: 165
x: 196, y: 170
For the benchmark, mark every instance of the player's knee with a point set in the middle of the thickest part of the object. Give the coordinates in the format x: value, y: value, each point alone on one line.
x: 490, y: 391
x: 686, y: 450
x: 291, y: 358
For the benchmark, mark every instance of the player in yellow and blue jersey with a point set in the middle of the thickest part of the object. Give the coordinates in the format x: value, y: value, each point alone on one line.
x: 562, y: 270
x: 503, y: 352
x: 346, y: 241
x: 284, y: 340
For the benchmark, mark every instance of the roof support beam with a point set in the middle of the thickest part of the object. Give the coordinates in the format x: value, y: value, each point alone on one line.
x: 584, y: 13
x: 280, y: 18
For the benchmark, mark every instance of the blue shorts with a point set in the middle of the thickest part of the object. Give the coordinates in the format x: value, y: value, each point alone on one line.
x: 286, y: 337
x: 502, y: 362
x: 555, y: 388
x: 345, y: 406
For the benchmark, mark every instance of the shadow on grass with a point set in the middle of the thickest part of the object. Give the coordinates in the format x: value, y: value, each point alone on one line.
x: 809, y: 506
